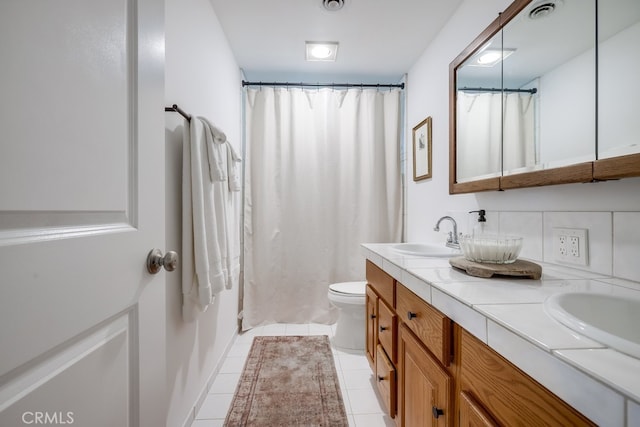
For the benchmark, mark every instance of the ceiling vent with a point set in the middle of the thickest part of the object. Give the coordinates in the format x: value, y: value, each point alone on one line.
x: 544, y: 8
x: 333, y: 5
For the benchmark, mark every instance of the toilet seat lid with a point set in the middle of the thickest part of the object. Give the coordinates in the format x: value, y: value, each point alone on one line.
x: 349, y: 288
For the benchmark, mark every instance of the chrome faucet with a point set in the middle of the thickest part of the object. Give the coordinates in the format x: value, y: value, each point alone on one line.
x: 452, y: 240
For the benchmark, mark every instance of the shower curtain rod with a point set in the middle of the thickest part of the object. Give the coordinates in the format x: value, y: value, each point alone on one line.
x: 492, y: 89
x: 179, y: 110
x: 376, y: 85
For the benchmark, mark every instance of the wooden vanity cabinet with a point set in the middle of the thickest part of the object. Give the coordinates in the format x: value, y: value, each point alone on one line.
x: 493, y: 391
x: 431, y: 372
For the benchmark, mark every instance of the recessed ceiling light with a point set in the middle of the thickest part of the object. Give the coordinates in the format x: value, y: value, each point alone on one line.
x: 322, y: 51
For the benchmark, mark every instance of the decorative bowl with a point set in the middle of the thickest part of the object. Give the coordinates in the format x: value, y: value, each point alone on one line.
x: 491, y: 248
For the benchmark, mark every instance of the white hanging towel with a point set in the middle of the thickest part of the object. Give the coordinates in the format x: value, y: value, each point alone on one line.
x: 216, y: 140
x: 224, y: 159
x: 233, y: 168
x: 210, y: 263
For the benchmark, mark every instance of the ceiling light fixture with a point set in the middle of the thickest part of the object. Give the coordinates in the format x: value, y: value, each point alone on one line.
x: 321, y: 51
x: 544, y: 8
x: 333, y: 5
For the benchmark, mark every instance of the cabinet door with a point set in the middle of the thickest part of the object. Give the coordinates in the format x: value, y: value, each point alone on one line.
x: 371, y: 333
x: 425, y: 387
x: 472, y: 414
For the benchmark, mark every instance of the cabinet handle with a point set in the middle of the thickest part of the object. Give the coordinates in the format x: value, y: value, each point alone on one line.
x: 411, y: 315
x: 436, y: 412
x: 373, y: 316
x: 383, y: 328
x: 380, y: 378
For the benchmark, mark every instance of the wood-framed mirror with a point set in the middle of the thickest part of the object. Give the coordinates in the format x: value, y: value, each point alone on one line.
x: 530, y: 118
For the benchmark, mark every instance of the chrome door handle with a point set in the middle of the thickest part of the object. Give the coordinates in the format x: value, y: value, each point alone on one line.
x: 155, y: 261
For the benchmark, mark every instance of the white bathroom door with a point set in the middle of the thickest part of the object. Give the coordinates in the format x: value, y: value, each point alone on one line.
x: 82, y: 323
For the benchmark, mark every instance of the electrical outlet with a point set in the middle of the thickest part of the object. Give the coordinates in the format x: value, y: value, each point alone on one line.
x: 570, y: 245
x: 574, y: 246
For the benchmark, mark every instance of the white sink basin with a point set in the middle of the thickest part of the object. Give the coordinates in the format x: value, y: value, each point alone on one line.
x: 609, y: 319
x: 425, y: 249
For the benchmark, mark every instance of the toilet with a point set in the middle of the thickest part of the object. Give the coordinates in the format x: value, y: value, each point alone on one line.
x: 349, y: 298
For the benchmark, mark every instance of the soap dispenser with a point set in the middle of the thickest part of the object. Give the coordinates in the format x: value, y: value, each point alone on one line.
x: 479, y: 227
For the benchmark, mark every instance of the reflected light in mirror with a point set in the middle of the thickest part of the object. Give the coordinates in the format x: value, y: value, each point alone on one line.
x: 491, y: 57
x: 321, y: 51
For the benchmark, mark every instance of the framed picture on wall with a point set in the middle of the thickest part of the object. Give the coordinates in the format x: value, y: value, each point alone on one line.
x: 422, y: 150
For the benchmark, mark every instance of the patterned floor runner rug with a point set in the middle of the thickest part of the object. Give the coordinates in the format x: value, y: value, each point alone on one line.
x: 288, y: 381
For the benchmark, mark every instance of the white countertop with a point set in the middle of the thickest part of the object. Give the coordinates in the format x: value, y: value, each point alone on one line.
x: 508, y: 315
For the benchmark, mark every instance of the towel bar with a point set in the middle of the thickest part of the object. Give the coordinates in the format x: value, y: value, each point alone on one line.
x: 179, y: 110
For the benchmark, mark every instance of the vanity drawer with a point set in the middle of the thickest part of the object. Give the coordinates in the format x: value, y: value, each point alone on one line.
x: 433, y: 328
x: 508, y: 395
x: 382, y: 283
x: 387, y: 330
x: 386, y: 381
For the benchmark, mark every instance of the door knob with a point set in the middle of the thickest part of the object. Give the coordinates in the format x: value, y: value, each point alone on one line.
x: 155, y: 261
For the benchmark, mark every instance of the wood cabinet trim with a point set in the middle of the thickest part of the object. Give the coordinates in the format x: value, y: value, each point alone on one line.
x: 617, y: 167
x: 582, y: 172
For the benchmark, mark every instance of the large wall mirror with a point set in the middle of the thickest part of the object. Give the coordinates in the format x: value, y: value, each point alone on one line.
x: 524, y: 110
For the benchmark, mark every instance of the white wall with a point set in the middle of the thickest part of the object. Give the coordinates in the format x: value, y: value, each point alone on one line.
x: 203, y: 78
x: 427, y: 94
x: 610, y: 210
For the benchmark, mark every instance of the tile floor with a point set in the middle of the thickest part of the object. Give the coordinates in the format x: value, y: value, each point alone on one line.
x: 362, y: 403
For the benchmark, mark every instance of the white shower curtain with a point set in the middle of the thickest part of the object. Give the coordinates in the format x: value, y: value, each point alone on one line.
x: 322, y: 177
x: 479, y: 138
x: 487, y: 144
x: 518, y: 147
